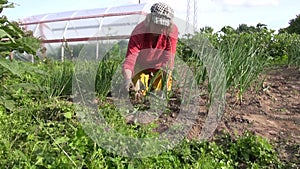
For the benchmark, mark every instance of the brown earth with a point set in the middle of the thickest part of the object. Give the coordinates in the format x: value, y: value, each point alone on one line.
x: 272, y: 112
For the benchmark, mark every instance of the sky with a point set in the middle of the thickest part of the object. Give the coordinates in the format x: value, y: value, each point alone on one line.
x: 275, y: 14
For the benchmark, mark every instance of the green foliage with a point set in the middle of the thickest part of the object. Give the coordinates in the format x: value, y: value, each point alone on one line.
x: 18, y: 79
x: 252, y: 151
x: 293, y: 51
x: 13, y: 37
x: 5, y: 4
x: 284, y: 49
x: 244, y: 28
x: 294, y: 26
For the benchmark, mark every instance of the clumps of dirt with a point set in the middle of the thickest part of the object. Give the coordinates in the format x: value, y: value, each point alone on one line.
x: 274, y: 109
x: 271, y: 111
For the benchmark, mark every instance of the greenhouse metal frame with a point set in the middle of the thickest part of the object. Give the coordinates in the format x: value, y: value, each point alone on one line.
x: 82, y: 26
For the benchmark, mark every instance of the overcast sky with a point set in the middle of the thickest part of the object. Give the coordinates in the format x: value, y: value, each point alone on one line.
x: 215, y: 13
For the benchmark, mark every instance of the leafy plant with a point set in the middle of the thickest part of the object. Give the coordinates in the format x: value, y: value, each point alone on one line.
x: 13, y: 37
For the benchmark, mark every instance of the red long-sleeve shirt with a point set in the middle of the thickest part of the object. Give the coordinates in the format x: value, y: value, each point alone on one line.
x: 147, y: 51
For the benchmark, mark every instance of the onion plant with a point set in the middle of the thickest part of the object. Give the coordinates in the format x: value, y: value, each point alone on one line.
x: 57, y: 79
x: 106, y: 70
x: 244, y: 57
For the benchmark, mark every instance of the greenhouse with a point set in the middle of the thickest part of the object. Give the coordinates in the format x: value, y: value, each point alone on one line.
x: 99, y: 26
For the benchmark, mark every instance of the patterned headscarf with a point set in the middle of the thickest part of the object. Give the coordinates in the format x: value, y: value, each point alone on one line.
x: 162, y: 14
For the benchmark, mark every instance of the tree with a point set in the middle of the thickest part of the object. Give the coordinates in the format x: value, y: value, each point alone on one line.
x: 207, y: 29
x: 12, y: 37
x: 228, y: 30
x: 294, y: 26
x: 245, y: 28
x: 251, y: 29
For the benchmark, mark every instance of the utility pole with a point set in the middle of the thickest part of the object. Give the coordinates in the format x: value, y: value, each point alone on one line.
x: 195, y: 23
x: 187, y: 16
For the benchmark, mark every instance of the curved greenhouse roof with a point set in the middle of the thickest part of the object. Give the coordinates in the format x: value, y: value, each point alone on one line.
x: 83, y: 25
x: 100, y: 26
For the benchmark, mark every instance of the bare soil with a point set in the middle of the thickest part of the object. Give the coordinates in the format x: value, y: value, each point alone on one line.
x: 271, y: 111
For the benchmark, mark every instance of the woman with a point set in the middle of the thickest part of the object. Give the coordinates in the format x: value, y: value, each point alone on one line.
x: 151, y: 50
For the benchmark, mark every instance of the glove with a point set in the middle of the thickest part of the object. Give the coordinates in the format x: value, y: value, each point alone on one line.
x: 128, y: 85
x: 124, y: 89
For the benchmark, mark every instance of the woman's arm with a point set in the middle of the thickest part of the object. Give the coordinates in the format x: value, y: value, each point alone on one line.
x: 170, y: 51
x: 131, y: 56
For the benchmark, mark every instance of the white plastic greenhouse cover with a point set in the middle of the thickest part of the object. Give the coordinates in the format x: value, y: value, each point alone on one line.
x: 86, y: 25
x: 90, y: 26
